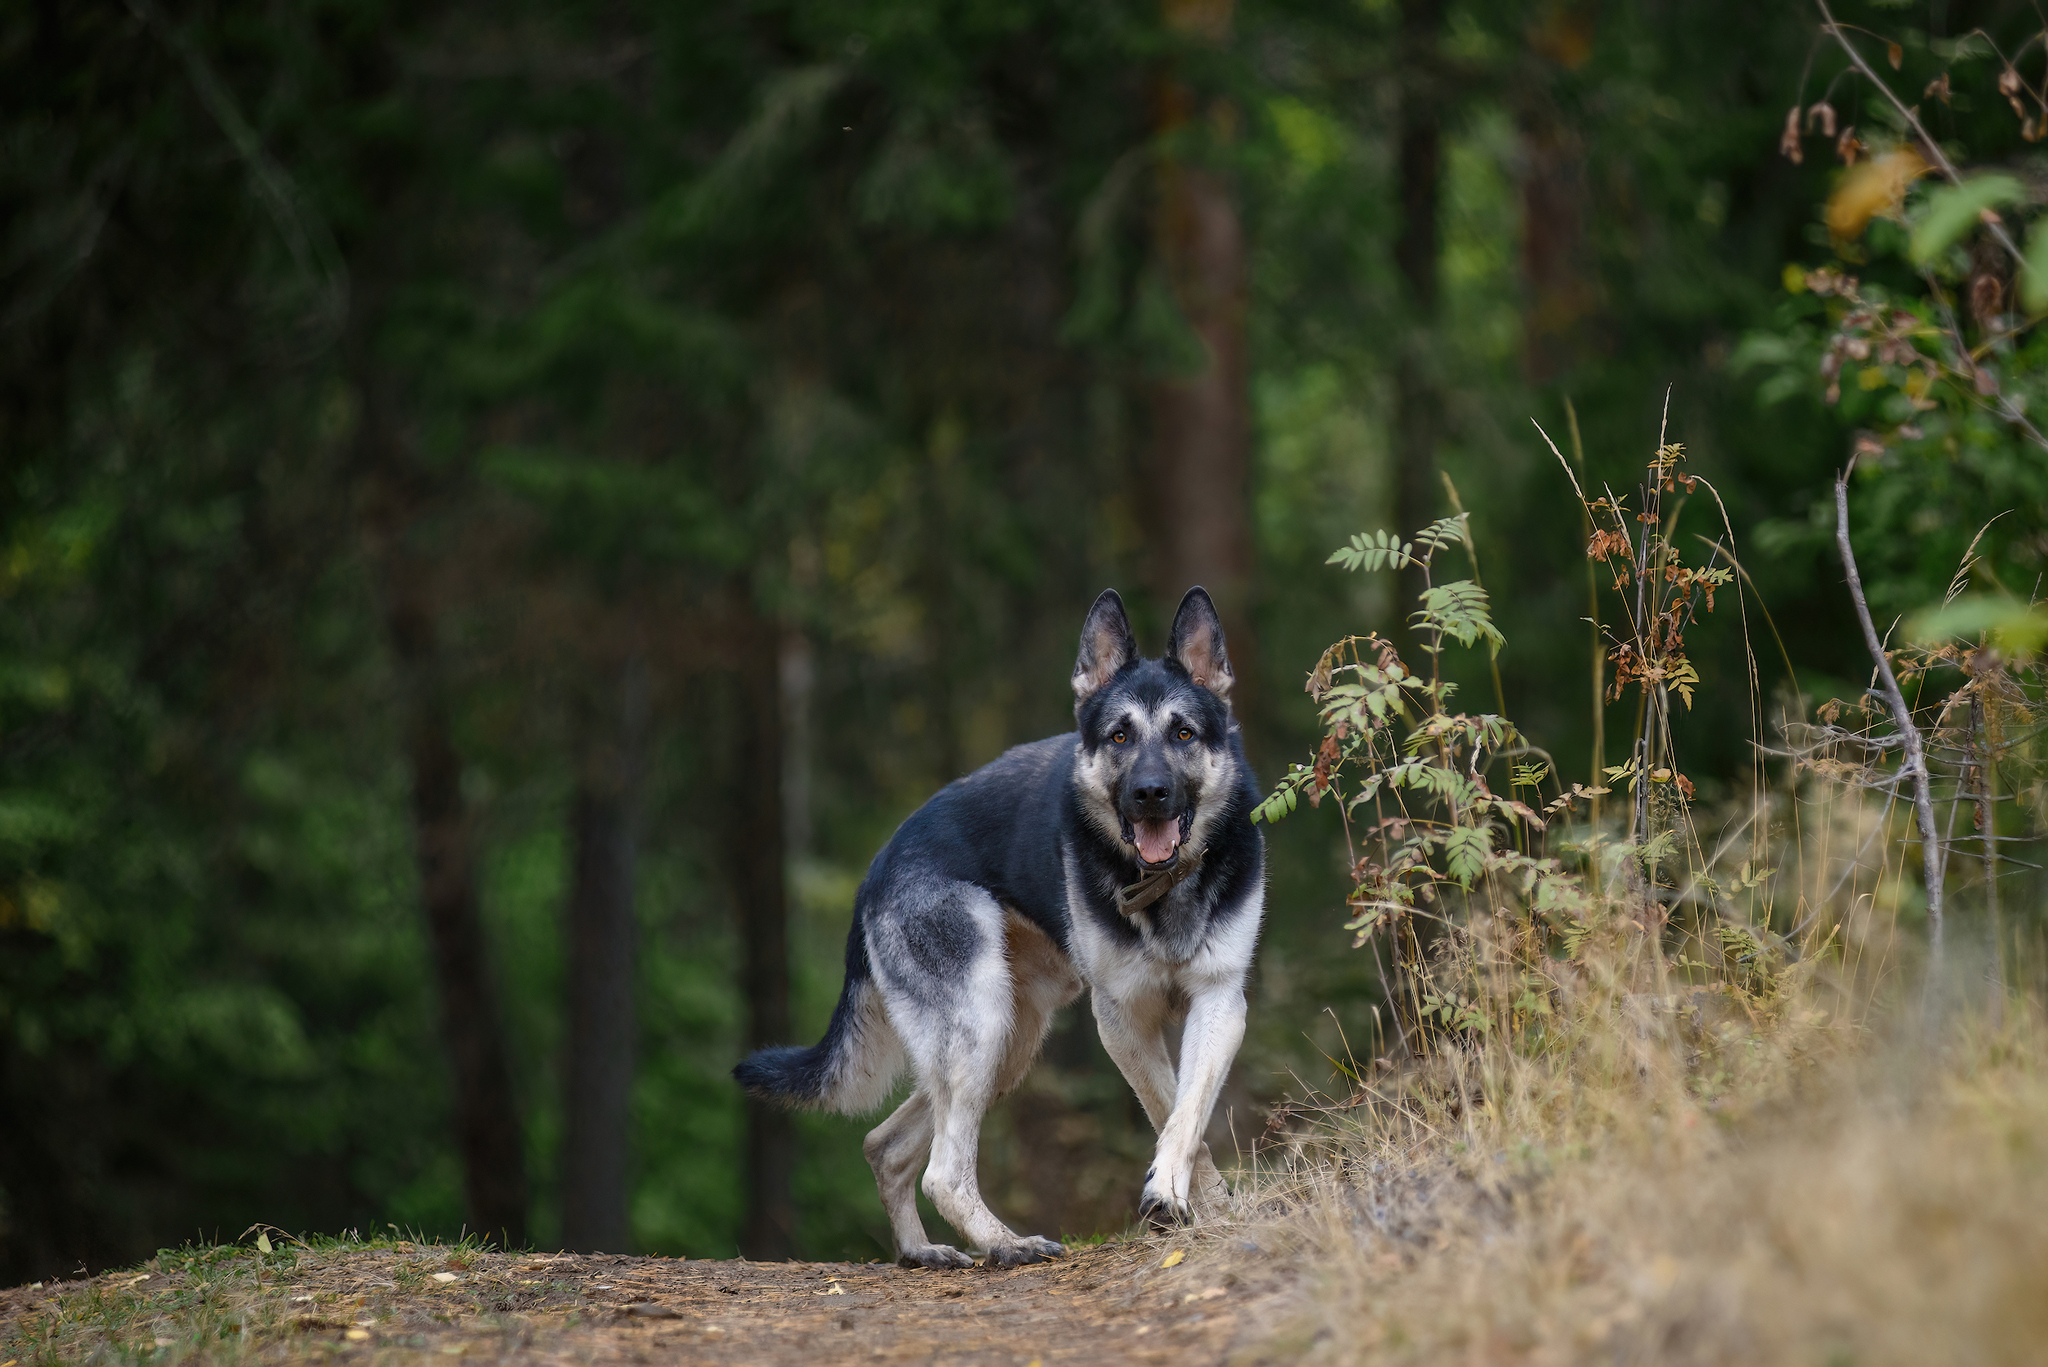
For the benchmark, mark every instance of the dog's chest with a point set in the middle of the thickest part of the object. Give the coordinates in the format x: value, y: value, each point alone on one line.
x: 1155, y: 941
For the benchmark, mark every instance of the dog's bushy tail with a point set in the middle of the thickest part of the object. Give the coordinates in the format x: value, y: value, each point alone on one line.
x: 853, y: 1068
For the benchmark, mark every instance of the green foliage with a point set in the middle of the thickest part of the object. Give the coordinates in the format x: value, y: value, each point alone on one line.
x: 1458, y: 880
x: 1952, y: 210
x: 2018, y: 629
x: 1917, y: 332
x: 1388, y: 739
x: 1458, y: 611
x: 1374, y: 551
x: 2033, y: 281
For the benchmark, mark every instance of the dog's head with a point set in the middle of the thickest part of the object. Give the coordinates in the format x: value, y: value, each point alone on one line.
x: 1155, y: 756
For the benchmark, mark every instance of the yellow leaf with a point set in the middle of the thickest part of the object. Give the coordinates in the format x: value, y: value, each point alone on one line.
x: 1871, y: 188
x: 1173, y: 1259
x: 262, y: 1242
x: 356, y: 1335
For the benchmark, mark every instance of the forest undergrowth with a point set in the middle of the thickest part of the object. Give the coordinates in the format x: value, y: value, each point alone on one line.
x: 1664, y: 1080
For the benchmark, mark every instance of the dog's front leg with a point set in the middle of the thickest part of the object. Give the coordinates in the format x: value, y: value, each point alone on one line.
x: 1209, y: 1041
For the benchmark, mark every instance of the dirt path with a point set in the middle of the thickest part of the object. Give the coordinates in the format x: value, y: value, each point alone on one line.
x: 1221, y: 1301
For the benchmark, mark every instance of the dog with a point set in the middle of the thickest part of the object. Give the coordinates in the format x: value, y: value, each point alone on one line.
x: 1120, y: 858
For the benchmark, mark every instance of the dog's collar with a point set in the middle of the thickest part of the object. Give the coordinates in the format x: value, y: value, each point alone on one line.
x: 1156, y: 884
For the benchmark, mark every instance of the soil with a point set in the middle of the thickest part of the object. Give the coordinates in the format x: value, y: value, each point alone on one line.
x: 1222, y: 1300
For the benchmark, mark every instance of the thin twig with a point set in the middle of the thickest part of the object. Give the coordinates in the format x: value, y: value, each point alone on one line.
x: 1987, y: 826
x: 1653, y: 508
x: 2005, y: 407
x: 1916, y: 759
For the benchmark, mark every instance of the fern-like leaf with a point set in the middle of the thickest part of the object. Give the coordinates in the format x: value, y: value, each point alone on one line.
x: 1465, y: 852
x: 1372, y: 551
x: 1459, y: 610
x: 1445, y: 531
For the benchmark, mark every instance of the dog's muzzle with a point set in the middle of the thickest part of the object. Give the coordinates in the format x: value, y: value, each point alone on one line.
x: 1158, y: 842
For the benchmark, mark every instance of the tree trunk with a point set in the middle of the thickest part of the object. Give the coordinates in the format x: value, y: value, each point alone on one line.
x: 761, y: 905
x: 799, y: 683
x: 1557, y: 292
x: 488, y: 1133
x: 601, y: 934
x: 1417, y: 402
x: 1557, y: 296
x: 1199, y: 488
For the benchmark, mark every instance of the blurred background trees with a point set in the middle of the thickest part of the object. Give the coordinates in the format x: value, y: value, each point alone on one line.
x: 506, y: 506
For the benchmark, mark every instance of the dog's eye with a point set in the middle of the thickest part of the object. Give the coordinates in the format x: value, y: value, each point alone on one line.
x: 1184, y: 733
x: 1117, y: 737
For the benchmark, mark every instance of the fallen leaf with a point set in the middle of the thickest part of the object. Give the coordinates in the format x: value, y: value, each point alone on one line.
x: 356, y: 1335
x: 1173, y: 1259
x: 445, y: 1277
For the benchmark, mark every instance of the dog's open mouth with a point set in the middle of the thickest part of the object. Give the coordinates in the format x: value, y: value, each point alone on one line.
x: 1159, y: 842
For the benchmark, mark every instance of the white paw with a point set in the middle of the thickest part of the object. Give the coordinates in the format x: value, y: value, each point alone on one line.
x: 933, y: 1255
x: 1032, y: 1248
x: 1164, y: 1204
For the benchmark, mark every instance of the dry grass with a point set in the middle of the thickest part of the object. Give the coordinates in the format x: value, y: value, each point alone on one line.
x: 1881, y: 1215
x: 1793, y: 1159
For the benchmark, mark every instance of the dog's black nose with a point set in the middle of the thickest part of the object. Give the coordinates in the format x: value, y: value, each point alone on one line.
x: 1152, y: 797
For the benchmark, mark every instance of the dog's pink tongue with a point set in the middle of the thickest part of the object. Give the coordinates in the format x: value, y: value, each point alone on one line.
x: 1155, y: 839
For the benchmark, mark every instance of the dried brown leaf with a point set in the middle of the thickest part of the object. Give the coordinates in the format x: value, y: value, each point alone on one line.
x: 1788, y: 141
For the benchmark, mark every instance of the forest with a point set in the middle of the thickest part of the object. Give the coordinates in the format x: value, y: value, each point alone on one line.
x: 505, y: 507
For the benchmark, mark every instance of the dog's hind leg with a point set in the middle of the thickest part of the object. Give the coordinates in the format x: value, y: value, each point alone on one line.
x: 1042, y: 980
x: 896, y: 1149
x: 941, y: 955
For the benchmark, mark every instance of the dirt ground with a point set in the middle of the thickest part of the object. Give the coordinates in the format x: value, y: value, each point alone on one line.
x: 1220, y: 1300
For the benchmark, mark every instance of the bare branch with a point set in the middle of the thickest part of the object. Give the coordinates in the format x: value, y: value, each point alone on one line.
x: 1916, y: 758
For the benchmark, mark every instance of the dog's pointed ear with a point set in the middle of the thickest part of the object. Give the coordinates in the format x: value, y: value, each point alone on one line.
x: 1197, y: 644
x: 1106, y: 645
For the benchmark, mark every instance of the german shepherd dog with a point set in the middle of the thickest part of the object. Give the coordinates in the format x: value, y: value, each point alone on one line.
x: 1120, y: 858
